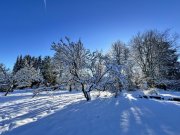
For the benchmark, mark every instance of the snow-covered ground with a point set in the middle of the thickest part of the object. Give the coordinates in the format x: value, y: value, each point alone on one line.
x: 64, y: 113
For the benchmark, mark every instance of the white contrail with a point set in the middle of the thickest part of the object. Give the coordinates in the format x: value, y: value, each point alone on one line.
x: 45, y: 4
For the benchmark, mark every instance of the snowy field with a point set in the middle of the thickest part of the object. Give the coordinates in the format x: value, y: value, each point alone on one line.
x: 64, y: 113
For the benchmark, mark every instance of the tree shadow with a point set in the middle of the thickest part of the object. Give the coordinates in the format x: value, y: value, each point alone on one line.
x: 116, y: 116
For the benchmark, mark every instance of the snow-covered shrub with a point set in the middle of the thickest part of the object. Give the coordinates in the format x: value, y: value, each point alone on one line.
x: 118, y: 78
x: 27, y: 76
x: 143, y: 85
x: 168, y: 84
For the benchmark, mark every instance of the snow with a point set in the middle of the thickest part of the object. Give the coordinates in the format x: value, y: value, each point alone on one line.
x: 167, y: 95
x: 20, y: 108
x: 170, y: 93
x: 129, y: 96
x: 66, y: 113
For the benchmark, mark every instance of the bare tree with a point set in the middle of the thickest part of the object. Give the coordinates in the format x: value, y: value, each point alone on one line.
x: 119, y: 52
x: 73, y: 56
x: 152, y: 52
x: 81, y: 66
x: 121, y: 66
x: 98, y: 71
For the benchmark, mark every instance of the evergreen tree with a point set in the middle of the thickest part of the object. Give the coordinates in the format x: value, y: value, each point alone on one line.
x: 5, y: 79
x: 27, y: 77
x: 15, y: 68
x: 47, y: 70
x: 21, y: 62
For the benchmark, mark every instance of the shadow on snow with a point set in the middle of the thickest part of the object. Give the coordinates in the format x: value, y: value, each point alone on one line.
x: 116, y: 116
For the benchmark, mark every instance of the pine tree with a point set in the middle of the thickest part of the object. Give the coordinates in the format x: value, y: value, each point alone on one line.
x: 5, y: 79
x: 47, y: 70
x: 16, y: 68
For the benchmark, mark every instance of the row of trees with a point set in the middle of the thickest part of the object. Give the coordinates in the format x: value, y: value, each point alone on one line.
x: 27, y: 72
x: 40, y: 67
x: 150, y: 59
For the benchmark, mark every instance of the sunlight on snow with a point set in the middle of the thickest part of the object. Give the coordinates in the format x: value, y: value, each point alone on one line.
x: 125, y: 121
x: 129, y: 96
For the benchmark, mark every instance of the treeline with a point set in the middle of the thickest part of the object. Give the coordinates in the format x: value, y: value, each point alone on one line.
x: 149, y: 60
x: 41, y: 65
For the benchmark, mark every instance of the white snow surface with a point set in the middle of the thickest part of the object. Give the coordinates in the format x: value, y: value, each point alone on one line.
x: 67, y: 113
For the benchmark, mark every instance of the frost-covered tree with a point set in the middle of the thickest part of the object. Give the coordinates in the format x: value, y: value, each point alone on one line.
x: 80, y: 66
x: 92, y: 70
x: 119, y: 53
x: 21, y: 62
x: 155, y: 54
x: 3, y: 73
x: 121, y: 67
x: 97, y: 71
x: 27, y: 77
x: 6, y: 83
x: 72, y: 55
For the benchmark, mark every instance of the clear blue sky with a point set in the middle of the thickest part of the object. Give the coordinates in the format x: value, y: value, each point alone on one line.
x: 27, y: 27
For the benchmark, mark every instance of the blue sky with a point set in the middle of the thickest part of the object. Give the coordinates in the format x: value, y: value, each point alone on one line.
x: 27, y: 27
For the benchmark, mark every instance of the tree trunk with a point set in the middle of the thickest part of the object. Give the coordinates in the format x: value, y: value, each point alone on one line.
x: 70, y: 88
x: 86, y: 94
x: 10, y: 89
x: 116, y: 93
x: 6, y: 93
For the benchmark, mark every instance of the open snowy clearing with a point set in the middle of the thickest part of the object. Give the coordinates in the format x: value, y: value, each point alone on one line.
x: 64, y: 113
